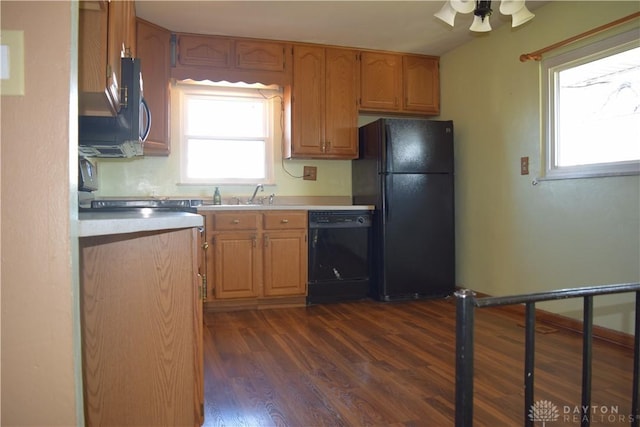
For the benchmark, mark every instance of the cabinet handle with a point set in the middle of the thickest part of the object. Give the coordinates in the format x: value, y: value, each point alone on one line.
x: 324, y: 146
x: 236, y: 221
x: 285, y: 221
x: 205, y: 245
x: 328, y: 145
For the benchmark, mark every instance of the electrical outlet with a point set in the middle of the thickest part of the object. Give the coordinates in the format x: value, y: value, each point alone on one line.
x: 309, y: 173
x: 524, y: 165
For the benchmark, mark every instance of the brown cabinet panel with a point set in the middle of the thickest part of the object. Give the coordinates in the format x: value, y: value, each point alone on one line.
x: 154, y: 51
x: 236, y: 221
x: 421, y: 84
x: 215, y: 58
x: 253, y: 55
x: 285, y: 220
x: 341, y: 119
x: 399, y: 83
x: 380, y: 81
x: 256, y: 256
x: 285, y: 263
x: 308, y: 101
x: 147, y: 306
x: 237, y: 267
x: 324, y: 114
x: 204, y: 51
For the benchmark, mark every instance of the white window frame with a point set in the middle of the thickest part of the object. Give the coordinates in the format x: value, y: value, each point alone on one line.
x: 550, y: 68
x: 267, y: 93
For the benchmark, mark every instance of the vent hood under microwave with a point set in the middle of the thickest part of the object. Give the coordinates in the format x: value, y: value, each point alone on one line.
x: 122, y: 135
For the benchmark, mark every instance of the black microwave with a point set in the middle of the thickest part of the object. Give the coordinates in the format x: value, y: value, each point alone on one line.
x: 122, y: 135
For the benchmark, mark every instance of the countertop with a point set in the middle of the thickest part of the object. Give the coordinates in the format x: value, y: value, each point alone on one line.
x: 106, y: 223
x: 208, y: 207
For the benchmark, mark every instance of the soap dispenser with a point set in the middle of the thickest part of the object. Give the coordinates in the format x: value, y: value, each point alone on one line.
x: 217, y: 200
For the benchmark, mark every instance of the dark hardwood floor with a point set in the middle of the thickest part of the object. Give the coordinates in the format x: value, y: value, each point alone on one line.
x: 367, y: 363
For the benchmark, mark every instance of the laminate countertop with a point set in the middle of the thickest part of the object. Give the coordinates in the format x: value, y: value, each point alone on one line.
x: 106, y: 223
x: 207, y: 207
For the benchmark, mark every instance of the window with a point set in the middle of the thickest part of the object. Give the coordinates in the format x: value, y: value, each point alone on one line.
x: 226, y: 133
x: 592, y: 117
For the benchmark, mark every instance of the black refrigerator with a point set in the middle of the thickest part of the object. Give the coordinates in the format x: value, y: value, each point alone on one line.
x: 405, y: 170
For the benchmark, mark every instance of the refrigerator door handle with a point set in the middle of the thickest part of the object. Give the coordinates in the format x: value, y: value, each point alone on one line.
x: 387, y: 150
x: 388, y: 195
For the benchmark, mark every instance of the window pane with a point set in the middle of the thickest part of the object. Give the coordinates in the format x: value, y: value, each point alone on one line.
x: 224, y: 117
x: 598, y: 111
x: 219, y: 159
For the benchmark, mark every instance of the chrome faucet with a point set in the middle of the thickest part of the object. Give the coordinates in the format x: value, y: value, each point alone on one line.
x: 258, y: 187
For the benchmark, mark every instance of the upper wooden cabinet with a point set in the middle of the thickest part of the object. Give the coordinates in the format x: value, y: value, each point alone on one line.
x: 421, y: 84
x: 323, y: 114
x: 107, y: 32
x: 154, y: 51
x: 399, y: 83
x: 380, y: 81
x: 216, y: 58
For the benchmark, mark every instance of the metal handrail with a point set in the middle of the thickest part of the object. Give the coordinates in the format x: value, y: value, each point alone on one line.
x: 466, y: 302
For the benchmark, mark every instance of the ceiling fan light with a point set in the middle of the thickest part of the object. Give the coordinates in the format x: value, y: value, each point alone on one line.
x: 480, y: 24
x: 521, y: 16
x: 509, y: 7
x: 446, y: 14
x: 463, y: 6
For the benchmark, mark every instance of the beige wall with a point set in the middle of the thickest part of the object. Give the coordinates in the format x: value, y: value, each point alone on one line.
x: 39, y: 296
x: 513, y: 237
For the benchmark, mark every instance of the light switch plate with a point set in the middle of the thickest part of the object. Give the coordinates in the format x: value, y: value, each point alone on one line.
x: 11, y: 62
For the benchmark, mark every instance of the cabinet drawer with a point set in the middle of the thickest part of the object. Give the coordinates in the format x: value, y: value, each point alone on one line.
x: 284, y: 220
x: 236, y: 221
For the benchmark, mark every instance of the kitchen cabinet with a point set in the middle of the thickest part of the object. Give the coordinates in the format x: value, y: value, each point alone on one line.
x: 399, y: 83
x: 141, y: 328
x: 285, y: 253
x: 421, y: 84
x: 381, y: 81
x: 107, y: 32
x: 237, y: 255
x: 154, y: 51
x: 256, y: 258
x: 323, y: 114
x: 216, y: 58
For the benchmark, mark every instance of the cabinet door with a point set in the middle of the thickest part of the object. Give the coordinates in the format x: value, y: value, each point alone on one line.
x: 97, y: 85
x: 285, y: 263
x: 255, y: 55
x: 308, y: 101
x: 204, y: 51
x: 237, y: 267
x: 341, y: 114
x: 154, y: 51
x: 421, y: 84
x: 380, y: 81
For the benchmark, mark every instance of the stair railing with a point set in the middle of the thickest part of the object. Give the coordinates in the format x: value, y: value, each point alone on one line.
x: 466, y: 302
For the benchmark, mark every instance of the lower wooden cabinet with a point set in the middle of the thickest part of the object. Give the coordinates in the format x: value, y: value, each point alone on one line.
x: 141, y: 326
x: 256, y: 258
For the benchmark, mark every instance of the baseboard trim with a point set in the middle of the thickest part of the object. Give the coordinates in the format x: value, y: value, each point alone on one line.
x: 569, y: 324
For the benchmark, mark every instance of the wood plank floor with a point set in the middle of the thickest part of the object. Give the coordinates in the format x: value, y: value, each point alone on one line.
x: 367, y: 363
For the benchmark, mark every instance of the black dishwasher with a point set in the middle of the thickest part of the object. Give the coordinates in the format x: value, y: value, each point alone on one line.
x: 339, y: 255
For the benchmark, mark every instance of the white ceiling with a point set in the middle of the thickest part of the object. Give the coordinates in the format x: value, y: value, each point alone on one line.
x: 402, y: 26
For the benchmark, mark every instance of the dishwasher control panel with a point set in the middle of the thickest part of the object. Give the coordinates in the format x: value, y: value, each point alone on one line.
x: 339, y: 219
